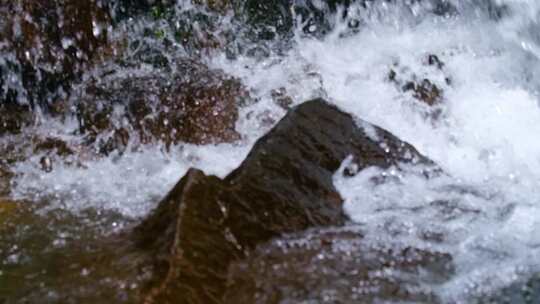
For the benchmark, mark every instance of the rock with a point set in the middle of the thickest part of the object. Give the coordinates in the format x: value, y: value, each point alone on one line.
x: 215, y: 5
x: 123, y: 9
x: 47, y: 44
x: 281, y: 98
x: 336, y: 266
x: 522, y: 291
x: 493, y: 9
x: 52, y: 144
x: 14, y: 117
x: 426, y: 91
x: 434, y: 60
x: 5, y: 179
x: 7, y: 207
x: 196, y: 105
x: 284, y: 186
x: 50, y: 255
x: 269, y: 18
x: 273, y: 19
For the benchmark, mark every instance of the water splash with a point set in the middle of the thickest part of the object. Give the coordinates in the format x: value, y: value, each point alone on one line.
x: 482, y: 133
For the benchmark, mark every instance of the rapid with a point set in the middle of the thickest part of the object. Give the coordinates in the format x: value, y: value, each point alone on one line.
x: 485, y: 209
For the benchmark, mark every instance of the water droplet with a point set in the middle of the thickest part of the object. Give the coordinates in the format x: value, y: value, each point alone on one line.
x: 67, y: 42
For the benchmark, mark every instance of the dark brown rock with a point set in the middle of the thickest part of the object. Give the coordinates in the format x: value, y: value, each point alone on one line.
x: 523, y: 291
x: 216, y: 5
x: 14, y: 117
x: 281, y: 98
x: 5, y: 178
x: 52, y: 144
x: 284, y: 186
x: 336, y: 266
x: 197, y: 105
x: 433, y: 60
x: 52, y: 43
x: 56, y: 256
x: 122, y: 9
x: 51, y: 149
x: 424, y: 90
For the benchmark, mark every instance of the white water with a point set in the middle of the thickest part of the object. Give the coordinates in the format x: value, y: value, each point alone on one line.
x: 486, y: 138
x: 131, y: 184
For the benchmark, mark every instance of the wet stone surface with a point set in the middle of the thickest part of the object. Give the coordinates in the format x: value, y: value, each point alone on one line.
x: 14, y: 117
x: 424, y: 90
x: 285, y: 185
x: 46, y: 45
x: 56, y: 257
x: 337, y: 266
x: 193, y: 105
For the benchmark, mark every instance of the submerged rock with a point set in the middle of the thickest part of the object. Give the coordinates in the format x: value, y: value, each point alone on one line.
x: 336, y: 266
x: 55, y: 256
x: 284, y: 186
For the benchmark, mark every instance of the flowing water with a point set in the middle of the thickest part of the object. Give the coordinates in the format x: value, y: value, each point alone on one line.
x: 483, y: 132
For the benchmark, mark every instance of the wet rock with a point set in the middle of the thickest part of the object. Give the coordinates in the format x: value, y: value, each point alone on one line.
x: 55, y: 256
x: 5, y: 178
x: 14, y: 117
x: 521, y: 292
x: 204, y: 28
x: 281, y: 98
x: 336, y: 266
x: 46, y: 164
x: 7, y: 207
x: 269, y: 17
x: 216, y: 5
x: 434, y: 60
x: 47, y: 44
x: 272, y: 19
x: 122, y: 9
x: 53, y: 149
x: 57, y: 145
x: 424, y: 90
x: 196, y: 105
x: 160, y: 29
x: 284, y: 186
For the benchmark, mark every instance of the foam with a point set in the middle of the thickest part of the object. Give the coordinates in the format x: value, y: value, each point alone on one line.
x: 131, y: 184
x: 485, y: 138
